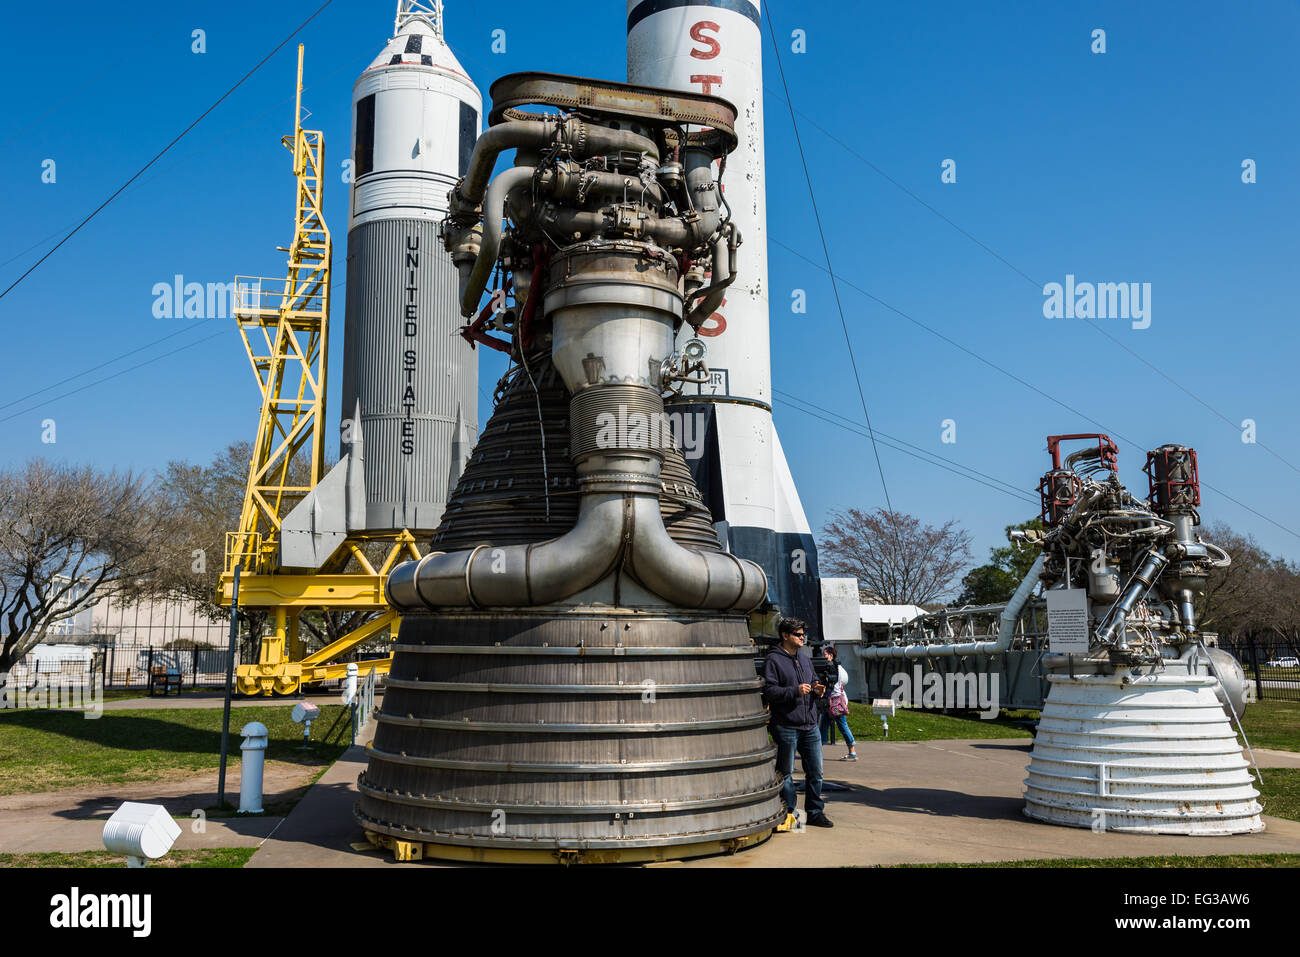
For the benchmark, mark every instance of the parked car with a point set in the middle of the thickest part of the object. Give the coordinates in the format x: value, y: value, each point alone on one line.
x: 1287, y: 662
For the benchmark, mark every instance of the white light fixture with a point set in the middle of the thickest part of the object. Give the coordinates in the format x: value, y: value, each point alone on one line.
x: 143, y: 832
x: 304, y: 713
x: 884, y: 709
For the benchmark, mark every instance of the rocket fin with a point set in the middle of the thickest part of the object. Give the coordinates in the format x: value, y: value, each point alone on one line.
x: 316, y: 527
x: 320, y: 523
x: 355, y: 492
x: 789, y: 515
x: 461, y: 446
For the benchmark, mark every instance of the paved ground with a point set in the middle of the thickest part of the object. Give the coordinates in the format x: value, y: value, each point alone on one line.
x: 901, y: 803
x: 960, y: 801
x: 73, y: 819
x: 319, y: 832
x: 213, y: 699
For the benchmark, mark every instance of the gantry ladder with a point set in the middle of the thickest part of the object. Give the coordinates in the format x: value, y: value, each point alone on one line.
x: 285, y: 329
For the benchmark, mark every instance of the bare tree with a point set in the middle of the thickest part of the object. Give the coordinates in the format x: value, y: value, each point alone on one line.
x: 207, y: 500
x: 1257, y: 594
x: 69, y: 535
x: 893, y: 555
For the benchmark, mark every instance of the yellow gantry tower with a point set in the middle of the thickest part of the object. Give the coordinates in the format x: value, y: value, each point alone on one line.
x: 284, y: 325
x: 285, y: 328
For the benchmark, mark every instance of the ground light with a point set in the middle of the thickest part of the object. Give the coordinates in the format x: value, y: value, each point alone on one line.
x: 143, y: 832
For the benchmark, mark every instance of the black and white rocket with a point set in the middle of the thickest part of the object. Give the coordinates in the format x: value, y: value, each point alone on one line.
x: 410, y: 383
x: 716, y: 46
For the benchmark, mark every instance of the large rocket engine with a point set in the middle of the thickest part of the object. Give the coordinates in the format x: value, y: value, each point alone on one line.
x: 573, y: 673
x: 1136, y: 733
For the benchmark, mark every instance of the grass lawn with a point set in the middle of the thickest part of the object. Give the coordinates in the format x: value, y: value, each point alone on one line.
x: 110, y: 694
x: 1273, y: 724
x: 918, y: 725
x: 199, y: 857
x: 1281, y: 792
x: 1217, y: 860
x: 50, y: 750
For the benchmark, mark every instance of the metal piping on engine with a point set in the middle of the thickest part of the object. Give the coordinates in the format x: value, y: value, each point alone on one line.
x: 612, y: 302
x: 586, y: 139
x: 473, y: 284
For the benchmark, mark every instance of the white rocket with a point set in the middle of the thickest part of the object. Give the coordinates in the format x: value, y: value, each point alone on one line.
x: 410, y: 383
x: 716, y: 46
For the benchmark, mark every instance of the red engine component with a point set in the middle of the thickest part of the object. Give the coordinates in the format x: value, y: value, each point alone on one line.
x: 1174, y: 483
x: 1058, y: 490
x: 1107, y: 453
x: 477, y: 330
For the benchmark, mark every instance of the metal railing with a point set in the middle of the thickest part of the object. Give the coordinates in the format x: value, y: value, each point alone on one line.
x: 363, y: 705
x: 1271, y: 663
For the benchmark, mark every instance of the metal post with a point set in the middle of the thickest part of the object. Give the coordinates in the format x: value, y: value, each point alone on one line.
x: 148, y: 674
x: 230, y: 680
x: 194, y: 664
x: 1254, y: 661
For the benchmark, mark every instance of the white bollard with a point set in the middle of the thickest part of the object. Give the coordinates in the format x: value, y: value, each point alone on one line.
x: 350, y: 684
x: 250, y: 773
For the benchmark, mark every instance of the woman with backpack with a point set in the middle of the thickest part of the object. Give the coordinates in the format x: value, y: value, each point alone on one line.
x: 837, y: 711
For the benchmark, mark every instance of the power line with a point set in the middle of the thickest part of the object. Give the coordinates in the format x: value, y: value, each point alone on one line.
x: 115, y: 375
x: 164, y: 150
x: 848, y: 341
x: 107, y: 362
x: 1011, y: 375
x: 952, y: 342
x: 899, y: 445
x: 1035, y: 283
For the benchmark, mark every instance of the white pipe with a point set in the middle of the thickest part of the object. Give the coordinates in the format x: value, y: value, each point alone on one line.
x: 1006, y: 629
x: 692, y: 579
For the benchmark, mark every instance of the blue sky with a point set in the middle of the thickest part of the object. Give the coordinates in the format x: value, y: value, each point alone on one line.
x: 1115, y: 167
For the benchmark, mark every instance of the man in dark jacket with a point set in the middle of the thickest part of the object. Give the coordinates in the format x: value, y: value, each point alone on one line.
x: 791, y: 688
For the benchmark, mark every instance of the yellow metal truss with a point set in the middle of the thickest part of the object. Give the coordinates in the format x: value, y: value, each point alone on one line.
x: 285, y: 328
x: 282, y: 668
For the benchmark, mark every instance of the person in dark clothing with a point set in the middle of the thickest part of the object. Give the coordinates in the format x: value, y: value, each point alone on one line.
x: 791, y: 688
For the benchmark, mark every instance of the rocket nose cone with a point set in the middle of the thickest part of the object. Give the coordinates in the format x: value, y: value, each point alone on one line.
x: 418, y: 43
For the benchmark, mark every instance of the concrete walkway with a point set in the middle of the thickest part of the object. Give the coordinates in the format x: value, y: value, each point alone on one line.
x: 73, y: 819
x: 961, y: 801
x: 214, y: 699
x: 319, y: 831
x: 914, y: 802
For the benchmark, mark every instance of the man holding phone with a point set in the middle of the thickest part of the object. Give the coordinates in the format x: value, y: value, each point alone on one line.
x: 791, y: 688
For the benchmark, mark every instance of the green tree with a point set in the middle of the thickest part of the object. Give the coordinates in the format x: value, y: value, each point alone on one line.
x: 994, y: 583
